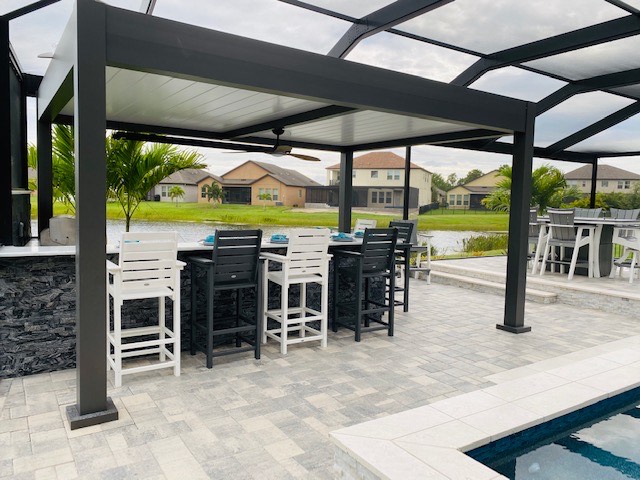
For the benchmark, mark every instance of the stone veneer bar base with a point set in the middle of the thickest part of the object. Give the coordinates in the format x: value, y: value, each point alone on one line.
x: 429, y: 442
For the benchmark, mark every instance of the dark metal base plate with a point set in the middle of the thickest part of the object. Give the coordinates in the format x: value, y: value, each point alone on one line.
x: 509, y: 328
x: 79, y: 421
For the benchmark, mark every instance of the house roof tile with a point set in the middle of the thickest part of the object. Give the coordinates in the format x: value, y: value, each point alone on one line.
x: 605, y: 172
x: 289, y: 177
x: 189, y: 176
x: 378, y: 160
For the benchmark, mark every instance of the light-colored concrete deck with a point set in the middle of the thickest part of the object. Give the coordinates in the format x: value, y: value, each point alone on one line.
x: 271, y: 418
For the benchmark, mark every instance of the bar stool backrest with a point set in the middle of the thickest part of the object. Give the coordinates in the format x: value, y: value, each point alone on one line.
x: 364, y: 223
x: 405, y: 230
x: 378, y: 247
x: 562, y: 223
x: 148, y: 260
x: 235, y: 257
x: 308, y: 251
x: 620, y: 214
x: 534, y: 227
x: 588, y: 212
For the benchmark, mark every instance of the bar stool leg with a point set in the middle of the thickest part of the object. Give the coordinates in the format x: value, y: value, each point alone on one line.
x: 324, y: 305
x: 176, y: 328
x: 162, y: 324
x: 284, y: 310
x: 358, y: 312
x: 194, y: 313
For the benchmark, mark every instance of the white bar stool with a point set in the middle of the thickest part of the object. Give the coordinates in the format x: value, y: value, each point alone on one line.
x: 148, y: 268
x: 306, y: 261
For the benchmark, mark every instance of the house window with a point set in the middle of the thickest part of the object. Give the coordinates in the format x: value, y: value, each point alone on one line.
x: 605, y: 183
x: 203, y: 191
x: 374, y: 197
x: 389, y: 197
x: 458, y: 199
x: 299, y: 193
x: 353, y: 174
x: 572, y: 183
x: 164, y: 190
x: 374, y: 173
x: 624, y: 184
x: 275, y: 195
x: 465, y: 200
x: 393, y: 174
x: 260, y: 191
x: 452, y: 199
x: 584, y: 183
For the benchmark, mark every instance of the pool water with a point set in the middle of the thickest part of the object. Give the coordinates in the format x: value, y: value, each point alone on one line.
x: 601, y: 442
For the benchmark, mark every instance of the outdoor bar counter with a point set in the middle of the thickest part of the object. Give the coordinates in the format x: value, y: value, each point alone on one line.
x: 38, y: 304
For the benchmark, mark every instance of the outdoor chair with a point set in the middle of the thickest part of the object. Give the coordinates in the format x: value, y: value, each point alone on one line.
x: 305, y: 263
x: 562, y: 233
x: 628, y: 239
x: 232, y: 294
x: 402, y: 261
x: 148, y: 268
x: 363, y: 223
x: 536, y: 239
x: 587, y: 212
x: 421, y: 246
x: 373, y: 263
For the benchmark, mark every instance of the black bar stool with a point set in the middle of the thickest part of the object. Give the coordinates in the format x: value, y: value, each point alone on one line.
x: 233, y: 268
x: 375, y: 261
x: 403, y: 261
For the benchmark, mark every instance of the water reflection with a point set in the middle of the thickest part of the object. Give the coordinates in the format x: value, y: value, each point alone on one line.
x: 444, y: 241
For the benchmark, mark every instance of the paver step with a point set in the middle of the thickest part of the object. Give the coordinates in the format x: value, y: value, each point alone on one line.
x: 482, y: 285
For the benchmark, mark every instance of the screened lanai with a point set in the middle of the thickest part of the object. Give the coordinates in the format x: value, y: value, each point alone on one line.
x: 367, y: 75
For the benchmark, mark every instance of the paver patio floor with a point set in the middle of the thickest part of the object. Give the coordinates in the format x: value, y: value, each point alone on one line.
x: 269, y: 419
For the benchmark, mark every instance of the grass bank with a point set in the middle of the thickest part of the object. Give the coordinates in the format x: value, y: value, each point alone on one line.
x: 258, y: 215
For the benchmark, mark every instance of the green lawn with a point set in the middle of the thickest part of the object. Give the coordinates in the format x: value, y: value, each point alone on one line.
x: 257, y: 215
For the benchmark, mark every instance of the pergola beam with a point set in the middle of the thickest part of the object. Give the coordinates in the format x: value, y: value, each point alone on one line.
x: 565, y: 42
x: 28, y: 9
x: 397, y: 12
x: 297, y: 119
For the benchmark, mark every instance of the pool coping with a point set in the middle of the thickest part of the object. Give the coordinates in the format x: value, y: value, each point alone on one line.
x: 429, y: 442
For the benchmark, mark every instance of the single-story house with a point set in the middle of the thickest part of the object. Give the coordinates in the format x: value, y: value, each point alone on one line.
x: 192, y: 181
x: 248, y: 182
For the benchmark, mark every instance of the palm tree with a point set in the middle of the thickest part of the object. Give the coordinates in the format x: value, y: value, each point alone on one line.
x: 265, y: 197
x: 176, y: 192
x: 133, y: 169
x: 214, y: 192
x: 546, y: 182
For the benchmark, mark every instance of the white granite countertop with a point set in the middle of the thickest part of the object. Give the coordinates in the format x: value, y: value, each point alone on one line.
x: 34, y: 249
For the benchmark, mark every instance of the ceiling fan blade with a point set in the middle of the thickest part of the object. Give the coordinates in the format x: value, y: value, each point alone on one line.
x: 282, y: 150
x: 304, y: 157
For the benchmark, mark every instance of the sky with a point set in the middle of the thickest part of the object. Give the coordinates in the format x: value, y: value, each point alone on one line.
x: 277, y: 22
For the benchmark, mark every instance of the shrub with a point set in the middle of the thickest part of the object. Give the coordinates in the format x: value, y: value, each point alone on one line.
x: 484, y: 243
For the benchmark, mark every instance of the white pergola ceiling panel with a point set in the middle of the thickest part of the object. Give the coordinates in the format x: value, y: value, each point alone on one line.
x: 150, y: 99
x: 365, y: 127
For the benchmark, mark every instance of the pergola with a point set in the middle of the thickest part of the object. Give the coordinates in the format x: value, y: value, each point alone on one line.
x: 130, y: 71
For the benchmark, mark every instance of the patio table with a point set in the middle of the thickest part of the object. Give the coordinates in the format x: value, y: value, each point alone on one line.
x: 603, y: 236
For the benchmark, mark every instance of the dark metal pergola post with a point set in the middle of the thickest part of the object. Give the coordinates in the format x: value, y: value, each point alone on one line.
x: 45, y: 175
x: 6, y: 236
x: 345, y: 191
x: 594, y: 180
x: 407, y: 184
x: 92, y: 406
x: 519, y: 227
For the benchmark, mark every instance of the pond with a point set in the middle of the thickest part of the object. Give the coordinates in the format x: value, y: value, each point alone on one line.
x: 445, y: 241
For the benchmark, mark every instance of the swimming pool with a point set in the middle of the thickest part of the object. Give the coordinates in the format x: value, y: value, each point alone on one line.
x: 598, y: 442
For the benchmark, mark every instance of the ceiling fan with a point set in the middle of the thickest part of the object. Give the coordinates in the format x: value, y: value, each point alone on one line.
x: 277, y: 150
